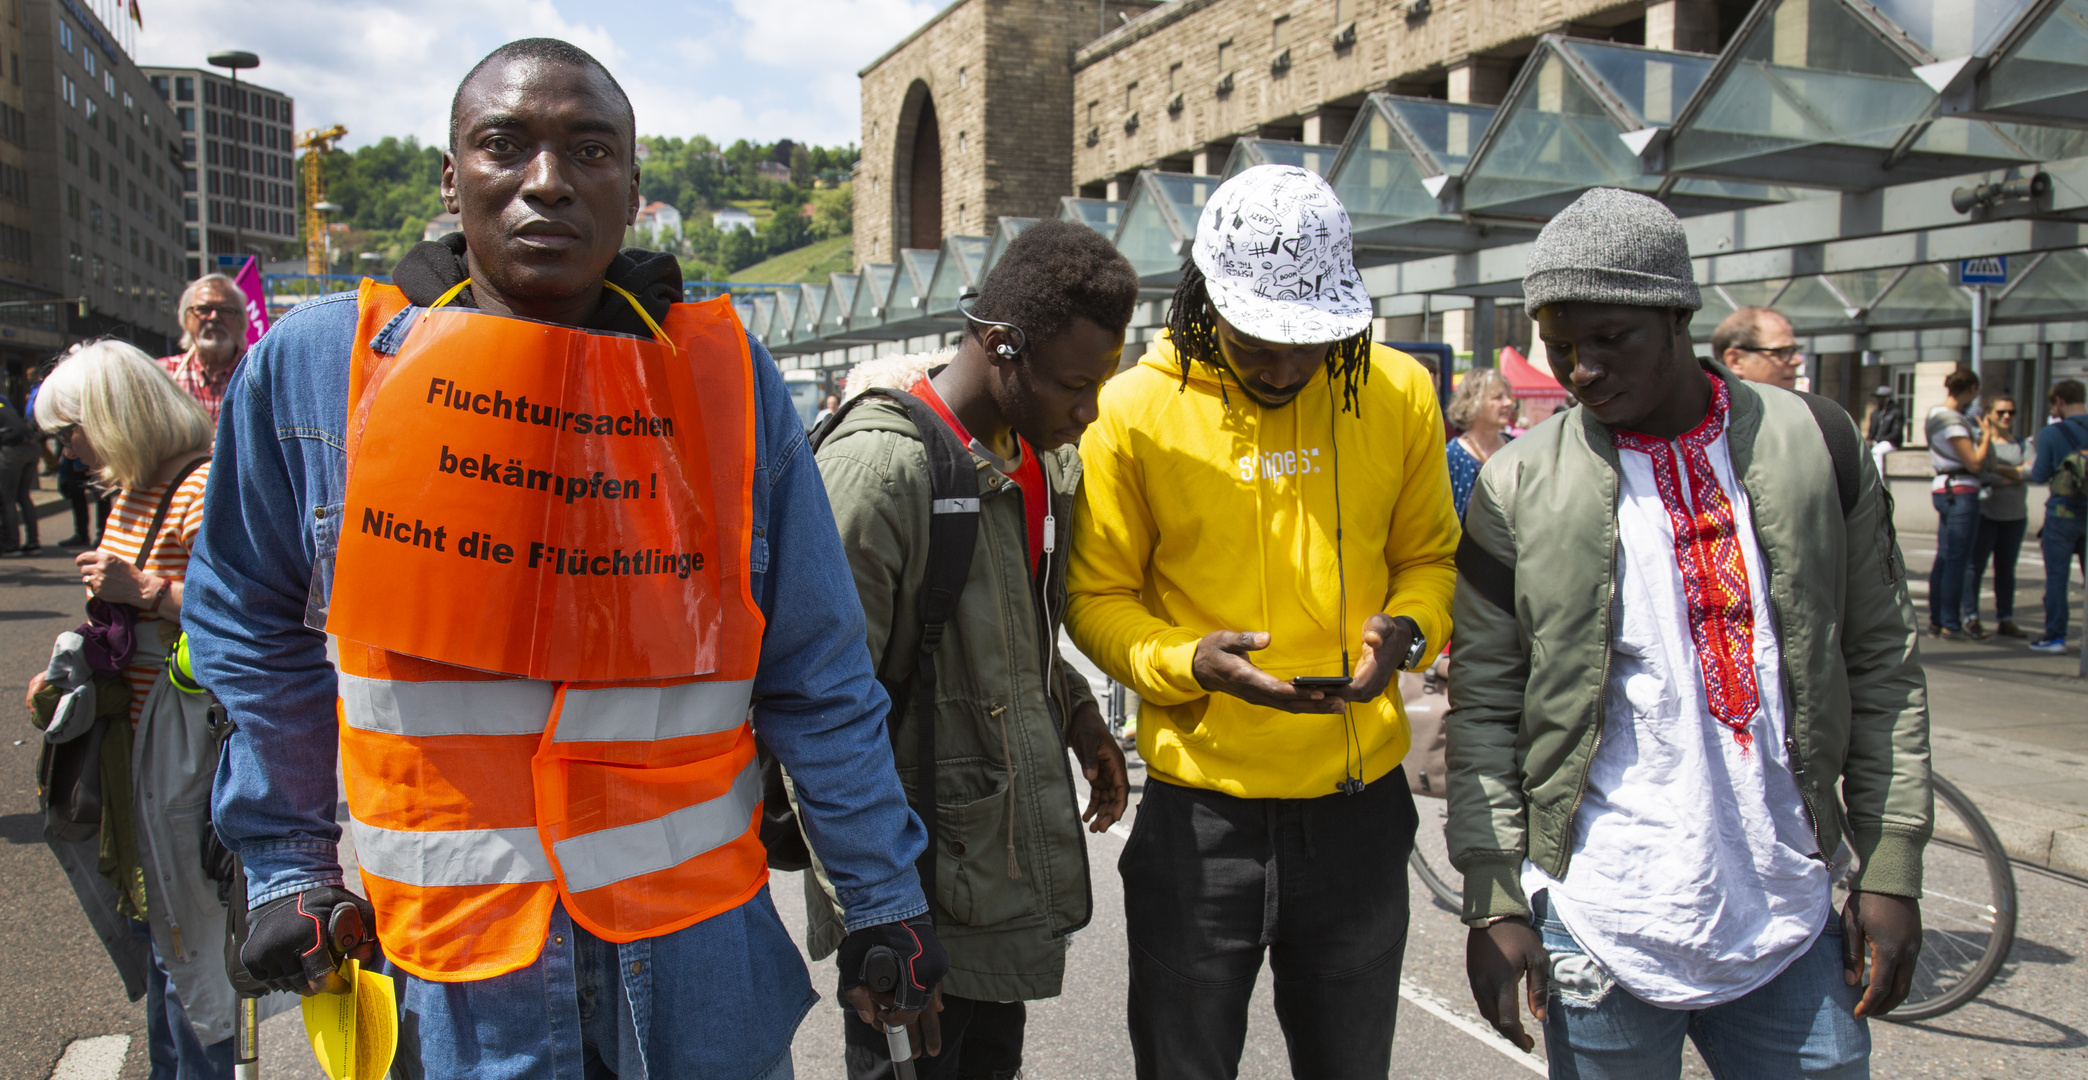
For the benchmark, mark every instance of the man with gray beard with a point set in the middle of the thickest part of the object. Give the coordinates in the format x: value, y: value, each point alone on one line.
x: 213, y: 330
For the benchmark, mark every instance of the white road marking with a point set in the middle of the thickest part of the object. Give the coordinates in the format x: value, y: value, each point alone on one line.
x: 99, y: 1058
x: 1120, y: 830
x: 1436, y: 1006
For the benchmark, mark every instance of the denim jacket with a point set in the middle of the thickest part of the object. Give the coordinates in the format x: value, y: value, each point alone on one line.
x: 272, y: 514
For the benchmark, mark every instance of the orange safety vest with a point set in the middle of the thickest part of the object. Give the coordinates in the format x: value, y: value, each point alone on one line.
x: 544, y: 687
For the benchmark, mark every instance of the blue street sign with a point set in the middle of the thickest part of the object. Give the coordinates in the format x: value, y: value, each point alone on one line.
x: 1992, y: 270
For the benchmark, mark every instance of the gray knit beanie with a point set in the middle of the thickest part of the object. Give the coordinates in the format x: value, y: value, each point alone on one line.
x: 1612, y: 247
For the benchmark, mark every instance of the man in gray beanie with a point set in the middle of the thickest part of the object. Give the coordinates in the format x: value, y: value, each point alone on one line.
x: 1689, y: 657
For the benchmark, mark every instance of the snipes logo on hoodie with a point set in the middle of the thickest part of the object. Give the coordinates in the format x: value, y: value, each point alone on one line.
x: 1301, y: 462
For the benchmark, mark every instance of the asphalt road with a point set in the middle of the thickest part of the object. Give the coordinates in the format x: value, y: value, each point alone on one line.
x: 58, y: 988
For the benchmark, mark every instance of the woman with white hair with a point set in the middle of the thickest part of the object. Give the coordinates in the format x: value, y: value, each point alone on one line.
x: 123, y: 417
x: 1483, y: 408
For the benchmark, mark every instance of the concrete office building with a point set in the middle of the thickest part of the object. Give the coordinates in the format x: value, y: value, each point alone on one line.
x: 239, y: 166
x: 103, y: 203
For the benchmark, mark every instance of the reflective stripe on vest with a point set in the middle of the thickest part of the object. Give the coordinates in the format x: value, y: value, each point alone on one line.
x: 465, y: 857
x: 651, y: 713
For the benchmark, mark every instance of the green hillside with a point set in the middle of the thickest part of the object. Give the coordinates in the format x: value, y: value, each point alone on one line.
x: 813, y: 263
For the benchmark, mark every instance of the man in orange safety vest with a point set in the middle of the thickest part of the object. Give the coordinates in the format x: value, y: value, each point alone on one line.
x: 575, y: 554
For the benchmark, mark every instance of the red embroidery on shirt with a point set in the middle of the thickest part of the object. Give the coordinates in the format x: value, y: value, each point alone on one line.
x: 1714, y: 574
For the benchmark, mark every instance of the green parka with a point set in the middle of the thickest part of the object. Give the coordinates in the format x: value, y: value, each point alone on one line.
x: 1527, y: 682
x: 1011, y: 865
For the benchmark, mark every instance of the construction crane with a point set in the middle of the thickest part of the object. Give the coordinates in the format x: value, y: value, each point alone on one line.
x: 316, y: 144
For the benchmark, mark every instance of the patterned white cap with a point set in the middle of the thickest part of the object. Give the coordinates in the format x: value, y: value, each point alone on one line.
x: 1274, y: 245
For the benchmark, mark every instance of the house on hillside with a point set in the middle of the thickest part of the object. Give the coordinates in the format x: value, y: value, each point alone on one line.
x: 442, y: 225
x: 730, y: 218
x: 657, y: 218
x: 773, y: 170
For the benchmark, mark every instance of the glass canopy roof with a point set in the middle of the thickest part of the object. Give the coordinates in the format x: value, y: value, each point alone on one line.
x: 866, y: 309
x: 1576, y: 118
x: 812, y: 301
x: 763, y: 309
x: 833, y: 315
x: 1101, y: 215
x: 1826, y: 93
x: 910, y: 285
x: 1400, y: 154
x: 782, y: 328
x: 1247, y: 153
x: 1004, y: 234
x: 2051, y: 288
x: 1160, y: 222
x: 2040, y: 75
x: 958, y: 270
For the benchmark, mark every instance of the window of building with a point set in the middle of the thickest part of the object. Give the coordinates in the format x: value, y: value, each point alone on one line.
x: 188, y: 213
x: 1093, y: 106
x: 1131, y: 98
x: 960, y: 217
x: 210, y: 96
x: 14, y: 63
x: 137, y: 241
x: 65, y: 35
x: 1344, y: 12
x: 963, y: 80
x: 184, y: 88
x: 187, y: 117
x: 961, y: 139
x: 67, y: 92
x: 72, y: 146
x: 94, y: 164
x: 128, y: 104
x: 1279, y: 33
x: 72, y: 202
x: 210, y: 152
x: 97, y: 277
x: 87, y: 60
x: 73, y: 257
x: 130, y: 149
x: 132, y: 188
x: 188, y: 150
x: 1174, y: 78
x: 94, y: 218
x: 1225, y: 57
x: 192, y: 237
x: 109, y: 83
x: 210, y: 122
x: 161, y: 86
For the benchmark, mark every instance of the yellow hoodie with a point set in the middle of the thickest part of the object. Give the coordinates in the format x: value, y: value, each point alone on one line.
x: 1201, y: 513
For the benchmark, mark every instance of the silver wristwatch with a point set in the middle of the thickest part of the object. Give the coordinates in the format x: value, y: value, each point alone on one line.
x: 1416, y: 650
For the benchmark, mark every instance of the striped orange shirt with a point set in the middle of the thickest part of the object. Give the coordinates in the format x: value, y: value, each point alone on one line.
x: 129, y: 520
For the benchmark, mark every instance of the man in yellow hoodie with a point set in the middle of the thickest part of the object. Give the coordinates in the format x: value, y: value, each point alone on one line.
x: 1266, y: 500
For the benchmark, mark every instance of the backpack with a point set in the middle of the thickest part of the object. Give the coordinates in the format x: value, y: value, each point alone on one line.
x: 952, y: 532
x: 2070, y: 478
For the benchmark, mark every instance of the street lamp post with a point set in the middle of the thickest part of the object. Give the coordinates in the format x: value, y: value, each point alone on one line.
x: 236, y: 60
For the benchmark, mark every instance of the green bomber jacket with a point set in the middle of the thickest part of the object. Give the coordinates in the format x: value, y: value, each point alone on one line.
x: 1011, y: 863
x: 1534, y: 613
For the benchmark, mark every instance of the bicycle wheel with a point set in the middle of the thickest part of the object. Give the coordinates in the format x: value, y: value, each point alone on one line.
x: 1431, y: 852
x: 1968, y: 910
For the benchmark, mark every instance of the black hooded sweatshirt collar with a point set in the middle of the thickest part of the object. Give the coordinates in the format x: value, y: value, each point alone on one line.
x: 433, y: 267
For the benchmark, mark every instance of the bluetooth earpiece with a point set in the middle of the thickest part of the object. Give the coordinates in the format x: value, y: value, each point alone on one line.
x: 1004, y: 350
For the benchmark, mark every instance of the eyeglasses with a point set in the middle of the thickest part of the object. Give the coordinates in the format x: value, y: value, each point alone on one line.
x: 1784, y: 354
x: 2004, y: 412
x: 229, y: 311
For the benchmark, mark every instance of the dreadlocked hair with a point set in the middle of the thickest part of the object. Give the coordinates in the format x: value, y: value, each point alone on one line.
x: 1192, y: 325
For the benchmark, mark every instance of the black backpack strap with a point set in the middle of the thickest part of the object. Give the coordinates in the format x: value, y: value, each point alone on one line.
x: 1842, y: 446
x: 953, y: 532
x: 159, y: 517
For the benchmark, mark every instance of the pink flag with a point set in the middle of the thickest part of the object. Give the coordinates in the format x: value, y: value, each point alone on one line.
x: 249, y: 281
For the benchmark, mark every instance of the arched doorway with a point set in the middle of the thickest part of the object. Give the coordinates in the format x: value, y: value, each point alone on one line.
x: 917, y: 194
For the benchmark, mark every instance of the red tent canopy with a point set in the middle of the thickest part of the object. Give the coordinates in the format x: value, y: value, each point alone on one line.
x: 1528, y: 382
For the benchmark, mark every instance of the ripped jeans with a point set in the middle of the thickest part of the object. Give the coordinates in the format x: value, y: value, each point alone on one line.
x: 1800, y: 1024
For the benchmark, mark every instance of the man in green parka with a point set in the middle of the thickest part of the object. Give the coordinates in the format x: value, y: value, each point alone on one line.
x: 1011, y: 873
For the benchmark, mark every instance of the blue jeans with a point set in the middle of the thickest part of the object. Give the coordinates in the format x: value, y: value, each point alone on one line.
x: 663, y: 1007
x: 2061, y: 543
x: 2000, y: 541
x: 1800, y: 1024
x: 175, y: 1051
x: 1957, y: 524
